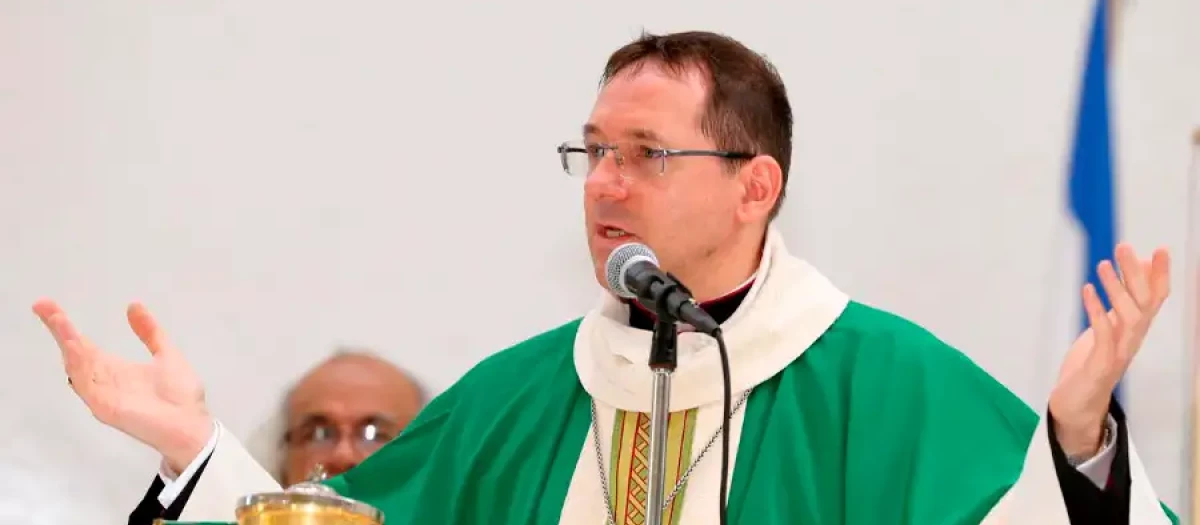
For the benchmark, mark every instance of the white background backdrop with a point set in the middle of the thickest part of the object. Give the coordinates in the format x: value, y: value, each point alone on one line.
x: 274, y: 178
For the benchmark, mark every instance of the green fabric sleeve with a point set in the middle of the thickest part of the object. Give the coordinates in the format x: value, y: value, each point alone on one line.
x: 406, y: 453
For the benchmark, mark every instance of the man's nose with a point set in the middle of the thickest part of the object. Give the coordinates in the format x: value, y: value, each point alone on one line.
x: 343, y: 457
x: 606, y: 181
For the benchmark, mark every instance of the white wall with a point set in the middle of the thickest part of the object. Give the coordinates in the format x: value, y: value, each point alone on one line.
x: 273, y: 178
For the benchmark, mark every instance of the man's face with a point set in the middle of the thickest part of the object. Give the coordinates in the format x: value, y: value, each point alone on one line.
x: 686, y: 213
x: 343, y: 411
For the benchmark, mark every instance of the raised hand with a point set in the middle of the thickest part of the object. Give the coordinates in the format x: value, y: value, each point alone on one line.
x: 160, y: 402
x: 1102, y: 354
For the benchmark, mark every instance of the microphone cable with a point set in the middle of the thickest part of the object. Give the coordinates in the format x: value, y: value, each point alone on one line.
x: 727, y: 386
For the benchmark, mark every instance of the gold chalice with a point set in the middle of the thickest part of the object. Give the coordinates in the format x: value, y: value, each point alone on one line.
x: 305, y: 503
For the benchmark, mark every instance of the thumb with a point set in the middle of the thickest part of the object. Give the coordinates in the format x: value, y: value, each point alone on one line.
x: 147, y: 329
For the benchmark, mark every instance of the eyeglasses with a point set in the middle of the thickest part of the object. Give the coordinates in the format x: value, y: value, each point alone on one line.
x: 366, y: 437
x: 579, y: 159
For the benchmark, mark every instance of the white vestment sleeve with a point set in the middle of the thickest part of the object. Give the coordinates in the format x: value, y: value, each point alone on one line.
x: 230, y: 474
x: 1037, y: 496
x: 1099, y: 467
x: 174, y: 483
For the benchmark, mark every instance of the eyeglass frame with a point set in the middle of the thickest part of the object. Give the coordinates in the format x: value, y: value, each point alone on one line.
x: 300, y: 435
x: 658, y: 153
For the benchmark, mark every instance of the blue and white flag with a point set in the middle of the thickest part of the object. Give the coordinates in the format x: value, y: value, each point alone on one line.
x: 1092, y: 179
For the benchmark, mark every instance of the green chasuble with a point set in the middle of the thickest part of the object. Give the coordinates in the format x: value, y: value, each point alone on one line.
x: 854, y: 416
x: 877, y: 423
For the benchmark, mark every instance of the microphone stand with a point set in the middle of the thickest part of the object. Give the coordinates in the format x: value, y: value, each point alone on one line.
x: 663, y: 360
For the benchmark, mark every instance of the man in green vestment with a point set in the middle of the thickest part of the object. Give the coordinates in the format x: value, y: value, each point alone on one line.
x: 842, y: 413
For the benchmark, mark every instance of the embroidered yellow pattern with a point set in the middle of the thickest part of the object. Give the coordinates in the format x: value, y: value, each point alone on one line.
x: 630, y: 471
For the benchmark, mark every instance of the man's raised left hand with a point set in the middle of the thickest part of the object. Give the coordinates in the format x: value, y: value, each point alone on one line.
x: 1099, y: 357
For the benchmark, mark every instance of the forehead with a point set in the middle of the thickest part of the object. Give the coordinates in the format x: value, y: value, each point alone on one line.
x: 649, y: 101
x: 351, y: 387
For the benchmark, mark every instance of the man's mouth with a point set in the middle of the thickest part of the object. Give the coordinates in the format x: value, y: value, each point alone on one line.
x: 613, y: 233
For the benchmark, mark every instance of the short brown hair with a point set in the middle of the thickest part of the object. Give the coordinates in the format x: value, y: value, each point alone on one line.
x: 747, y: 108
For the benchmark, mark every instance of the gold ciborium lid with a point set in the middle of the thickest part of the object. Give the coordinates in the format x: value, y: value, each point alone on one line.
x: 305, y: 503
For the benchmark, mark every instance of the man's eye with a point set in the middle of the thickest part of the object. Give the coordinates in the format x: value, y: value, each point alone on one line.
x: 322, y: 433
x: 595, y: 151
x: 375, y: 432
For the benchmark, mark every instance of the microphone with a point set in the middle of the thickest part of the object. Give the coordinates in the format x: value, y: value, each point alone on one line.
x: 632, y: 272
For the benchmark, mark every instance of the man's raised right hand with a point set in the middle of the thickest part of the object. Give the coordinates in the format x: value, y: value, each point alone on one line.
x: 160, y: 403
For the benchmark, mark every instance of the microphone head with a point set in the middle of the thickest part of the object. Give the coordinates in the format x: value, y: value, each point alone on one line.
x: 619, y: 262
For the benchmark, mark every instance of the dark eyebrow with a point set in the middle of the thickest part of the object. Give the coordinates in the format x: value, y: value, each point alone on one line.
x: 644, y: 134
x: 637, y: 133
x: 313, y: 420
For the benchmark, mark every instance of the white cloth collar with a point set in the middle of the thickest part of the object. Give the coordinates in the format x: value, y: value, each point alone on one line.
x: 789, y: 306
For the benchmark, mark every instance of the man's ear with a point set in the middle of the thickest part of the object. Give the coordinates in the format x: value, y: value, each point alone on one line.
x: 762, y: 182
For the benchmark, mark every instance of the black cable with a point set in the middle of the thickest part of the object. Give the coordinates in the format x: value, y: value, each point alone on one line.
x: 728, y: 386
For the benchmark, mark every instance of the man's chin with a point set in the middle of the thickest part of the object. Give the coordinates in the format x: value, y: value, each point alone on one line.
x: 599, y: 261
x: 601, y: 274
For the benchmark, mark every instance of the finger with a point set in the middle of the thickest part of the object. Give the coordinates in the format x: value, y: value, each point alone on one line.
x: 1132, y: 275
x: 1121, y: 301
x: 1111, y: 315
x: 44, y: 308
x: 48, y: 312
x: 59, y: 328
x: 1102, y: 339
x: 57, y: 322
x: 76, y: 353
x: 1160, y: 277
x: 146, y: 328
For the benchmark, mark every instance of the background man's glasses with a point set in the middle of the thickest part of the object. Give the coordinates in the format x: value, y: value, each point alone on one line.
x: 366, y: 437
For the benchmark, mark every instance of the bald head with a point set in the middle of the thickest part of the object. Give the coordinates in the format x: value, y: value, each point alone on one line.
x: 343, y: 410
